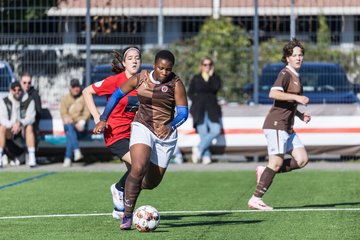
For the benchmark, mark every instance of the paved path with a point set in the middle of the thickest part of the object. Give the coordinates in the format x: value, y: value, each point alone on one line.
x: 221, y: 166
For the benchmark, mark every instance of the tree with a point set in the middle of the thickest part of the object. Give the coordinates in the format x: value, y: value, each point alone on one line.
x: 227, y: 44
x: 323, y: 34
x: 22, y: 14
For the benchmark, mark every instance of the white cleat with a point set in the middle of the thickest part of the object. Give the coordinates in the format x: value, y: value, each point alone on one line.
x: 257, y: 203
x: 259, y: 172
x: 119, y: 215
x: 118, y: 198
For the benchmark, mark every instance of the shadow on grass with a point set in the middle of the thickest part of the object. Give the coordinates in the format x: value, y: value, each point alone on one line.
x: 210, y: 223
x: 193, y: 222
x: 324, y: 205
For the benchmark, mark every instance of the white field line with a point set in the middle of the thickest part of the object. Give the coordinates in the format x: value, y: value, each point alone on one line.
x: 190, y: 212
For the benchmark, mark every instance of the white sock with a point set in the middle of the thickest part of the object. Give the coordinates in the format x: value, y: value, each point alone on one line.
x: 31, y: 151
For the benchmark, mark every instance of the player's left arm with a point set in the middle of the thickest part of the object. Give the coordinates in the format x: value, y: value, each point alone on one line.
x: 181, y: 103
x: 128, y: 86
x: 303, y: 116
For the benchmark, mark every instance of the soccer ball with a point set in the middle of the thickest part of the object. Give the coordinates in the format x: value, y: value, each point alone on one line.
x: 146, y: 218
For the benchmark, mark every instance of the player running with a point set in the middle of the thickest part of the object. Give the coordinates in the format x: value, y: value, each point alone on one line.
x: 153, y: 131
x: 278, y: 126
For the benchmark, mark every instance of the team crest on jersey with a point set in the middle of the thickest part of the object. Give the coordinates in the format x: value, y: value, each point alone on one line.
x: 98, y: 84
x: 164, y: 89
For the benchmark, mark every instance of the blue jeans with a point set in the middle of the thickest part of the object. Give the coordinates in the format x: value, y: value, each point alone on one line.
x: 208, y: 131
x: 72, y: 142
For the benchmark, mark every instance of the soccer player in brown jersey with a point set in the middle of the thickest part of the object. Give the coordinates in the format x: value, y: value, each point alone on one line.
x: 153, y: 131
x: 278, y: 125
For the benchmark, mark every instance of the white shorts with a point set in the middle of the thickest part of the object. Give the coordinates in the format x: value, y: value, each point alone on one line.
x: 281, y: 142
x: 161, y: 150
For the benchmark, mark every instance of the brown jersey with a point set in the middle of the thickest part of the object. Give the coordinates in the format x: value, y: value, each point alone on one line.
x: 282, y: 113
x: 157, y: 101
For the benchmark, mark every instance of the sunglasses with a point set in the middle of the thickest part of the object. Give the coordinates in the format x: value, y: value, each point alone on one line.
x: 207, y: 64
x: 17, y: 90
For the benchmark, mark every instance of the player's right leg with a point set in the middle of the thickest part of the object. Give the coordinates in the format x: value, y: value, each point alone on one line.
x: 140, y: 155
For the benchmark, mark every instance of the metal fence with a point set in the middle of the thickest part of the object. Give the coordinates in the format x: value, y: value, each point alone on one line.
x: 48, y: 38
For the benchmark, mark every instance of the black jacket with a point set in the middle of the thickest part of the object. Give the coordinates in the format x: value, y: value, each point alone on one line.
x: 204, y: 99
x: 33, y: 93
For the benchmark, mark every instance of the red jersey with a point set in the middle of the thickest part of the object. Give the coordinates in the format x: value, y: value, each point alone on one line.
x: 119, y: 121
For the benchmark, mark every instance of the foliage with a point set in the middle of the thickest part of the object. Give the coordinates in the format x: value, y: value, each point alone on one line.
x: 323, y: 34
x: 227, y: 44
x: 21, y: 12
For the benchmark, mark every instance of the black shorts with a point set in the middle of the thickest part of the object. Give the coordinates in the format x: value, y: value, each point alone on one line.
x: 120, y: 148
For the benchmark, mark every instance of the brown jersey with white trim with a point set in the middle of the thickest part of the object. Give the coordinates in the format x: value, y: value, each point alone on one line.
x: 157, y: 101
x: 282, y: 113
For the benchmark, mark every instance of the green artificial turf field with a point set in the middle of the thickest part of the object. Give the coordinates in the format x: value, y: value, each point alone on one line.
x: 193, y: 205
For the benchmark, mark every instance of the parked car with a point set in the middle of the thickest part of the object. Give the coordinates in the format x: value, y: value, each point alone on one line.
x: 102, y: 71
x: 323, y: 82
x: 6, y: 78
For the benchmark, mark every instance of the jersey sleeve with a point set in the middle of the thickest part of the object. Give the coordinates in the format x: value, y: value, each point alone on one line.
x: 282, y: 81
x: 106, y: 86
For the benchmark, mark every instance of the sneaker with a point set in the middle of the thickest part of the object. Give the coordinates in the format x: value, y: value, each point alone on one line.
x: 206, y: 160
x: 118, y: 198
x: 259, y: 172
x: 4, y: 160
x: 257, y: 203
x: 195, y: 155
x: 32, y: 162
x: 67, y: 162
x: 118, y: 214
x: 126, y: 223
x: 77, y: 155
x: 15, y: 162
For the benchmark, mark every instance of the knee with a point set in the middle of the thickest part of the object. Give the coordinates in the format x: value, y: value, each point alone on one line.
x: 149, y: 185
x: 275, y: 165
x: 216, y: 129
x: 302, y: 161
x: 29, y: 130
x: 2, y: 129
x: 137, y: 172
x: 275, y: 168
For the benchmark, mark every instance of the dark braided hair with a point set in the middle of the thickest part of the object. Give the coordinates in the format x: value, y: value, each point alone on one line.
x: 116, y: 64
x: 165, y: 54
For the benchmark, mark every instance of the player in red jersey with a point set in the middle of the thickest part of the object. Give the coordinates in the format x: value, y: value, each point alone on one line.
x: 153, y: 131
x: 117, y: 132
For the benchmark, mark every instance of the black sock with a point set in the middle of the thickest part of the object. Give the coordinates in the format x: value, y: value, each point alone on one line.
x: 288, y: 165
x: 120, y: 185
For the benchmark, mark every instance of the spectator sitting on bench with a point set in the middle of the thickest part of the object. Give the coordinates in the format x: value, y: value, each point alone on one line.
x: 17, y: 116
x: 75, y: 115
x: 25, y: 81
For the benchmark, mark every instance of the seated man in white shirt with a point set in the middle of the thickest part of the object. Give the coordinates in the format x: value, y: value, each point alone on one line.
x: 17, y: 115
